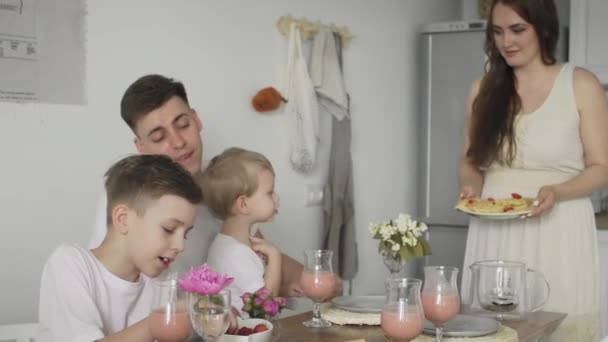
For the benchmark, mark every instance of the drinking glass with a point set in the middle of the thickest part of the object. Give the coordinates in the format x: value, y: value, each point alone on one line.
x: 318, y: 282
x: 210, y: 314
x: 168, y: 320
x: 402, y: 316
x: 440, y: 299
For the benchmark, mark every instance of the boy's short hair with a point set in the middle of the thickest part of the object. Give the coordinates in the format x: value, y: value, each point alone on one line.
x: 229, y: 175
x: 147, y: 94
x: 136, y: 180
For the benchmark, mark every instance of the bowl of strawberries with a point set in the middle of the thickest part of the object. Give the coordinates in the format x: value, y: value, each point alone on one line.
x: 250, y: 330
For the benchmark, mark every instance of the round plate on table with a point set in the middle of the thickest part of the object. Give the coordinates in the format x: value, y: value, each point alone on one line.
x: 361, y: 304
x: 465, y: 326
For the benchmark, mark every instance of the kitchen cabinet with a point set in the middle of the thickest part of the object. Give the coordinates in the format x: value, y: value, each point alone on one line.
x: 588, y: 29
x: 602, y: 239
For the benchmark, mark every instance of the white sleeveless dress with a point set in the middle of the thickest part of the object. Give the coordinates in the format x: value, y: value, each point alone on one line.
x: 562, y: 244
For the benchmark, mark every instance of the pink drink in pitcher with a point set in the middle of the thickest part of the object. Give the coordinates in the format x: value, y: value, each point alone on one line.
x: 177, y: 329
x: 439, y: 307
x: 402, y: 325
x: 318, y: 286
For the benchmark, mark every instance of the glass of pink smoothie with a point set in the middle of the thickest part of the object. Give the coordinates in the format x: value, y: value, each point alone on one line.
x: 318, y: 282
x: 169, y: 320
x: 402, y: 316
x: 440, y: 299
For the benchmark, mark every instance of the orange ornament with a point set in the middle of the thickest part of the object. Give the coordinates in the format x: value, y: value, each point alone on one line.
x: 267, y: 99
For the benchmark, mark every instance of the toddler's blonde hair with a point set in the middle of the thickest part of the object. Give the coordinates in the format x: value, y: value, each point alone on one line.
x: 229, y: 175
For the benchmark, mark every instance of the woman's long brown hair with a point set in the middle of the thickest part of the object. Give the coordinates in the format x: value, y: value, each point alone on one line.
x: 497, y: 103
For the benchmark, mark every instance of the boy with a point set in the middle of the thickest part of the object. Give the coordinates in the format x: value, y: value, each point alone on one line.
x: 103, y: 294
x: 239, y: 189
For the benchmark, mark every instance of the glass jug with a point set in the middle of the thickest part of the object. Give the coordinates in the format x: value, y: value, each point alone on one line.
x: 503, y: 290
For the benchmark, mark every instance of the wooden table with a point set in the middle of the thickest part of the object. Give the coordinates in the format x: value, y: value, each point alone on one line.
x: 537, y: 324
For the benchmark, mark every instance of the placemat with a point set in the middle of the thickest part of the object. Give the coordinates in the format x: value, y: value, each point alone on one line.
x: 342, y: 317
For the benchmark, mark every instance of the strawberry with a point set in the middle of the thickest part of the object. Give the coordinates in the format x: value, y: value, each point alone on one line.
x: 516, y: 195
x: 244, y: 331
x: 506, y: 209
x: 491, y: 199
x: 260, y: 328
x: 471, y: 201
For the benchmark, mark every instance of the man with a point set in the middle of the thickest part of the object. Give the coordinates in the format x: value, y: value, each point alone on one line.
x: 157, y: 110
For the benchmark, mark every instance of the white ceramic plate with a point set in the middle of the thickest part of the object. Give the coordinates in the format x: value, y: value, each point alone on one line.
x: 465, y: 326
x: 361, y: 304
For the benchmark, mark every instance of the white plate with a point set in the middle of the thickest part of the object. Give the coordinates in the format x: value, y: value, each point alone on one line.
x: 495, y: 216
x: 465, y: 326
x: 361, y: 304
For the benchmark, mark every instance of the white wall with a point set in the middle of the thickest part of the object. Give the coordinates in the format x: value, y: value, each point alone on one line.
x: 55, y: 156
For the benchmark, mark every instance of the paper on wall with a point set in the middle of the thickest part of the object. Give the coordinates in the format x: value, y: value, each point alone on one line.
x: 42, y: 51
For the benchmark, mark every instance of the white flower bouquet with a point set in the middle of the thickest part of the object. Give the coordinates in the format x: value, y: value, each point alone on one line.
x: 401, y: 239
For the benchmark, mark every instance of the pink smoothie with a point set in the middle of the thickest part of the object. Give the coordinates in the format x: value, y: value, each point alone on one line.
x: 177, y: 330
x: 318, y: 286
x: 439, y: 307
x: 402, y: 325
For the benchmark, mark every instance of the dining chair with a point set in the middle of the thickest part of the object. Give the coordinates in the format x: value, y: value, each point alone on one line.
x: 23, y: 332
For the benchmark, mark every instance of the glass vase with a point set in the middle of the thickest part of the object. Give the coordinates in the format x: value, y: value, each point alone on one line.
x: 394, y: 263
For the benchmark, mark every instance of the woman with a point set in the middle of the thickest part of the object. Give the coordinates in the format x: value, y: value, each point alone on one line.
x: 540, y: 129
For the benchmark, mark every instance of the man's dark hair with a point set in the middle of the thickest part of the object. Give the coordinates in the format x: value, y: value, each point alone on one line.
x: 147, y: 94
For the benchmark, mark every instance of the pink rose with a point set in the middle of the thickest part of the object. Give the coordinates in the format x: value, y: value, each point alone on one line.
x: 281, y: 301
x: 258, y: 301
x: 245, y: 297
x: 263, y: 293
x: 271, y: 307
x: 204, y: 280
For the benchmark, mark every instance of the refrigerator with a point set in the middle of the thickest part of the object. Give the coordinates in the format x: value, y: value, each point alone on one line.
x: 452, y: 57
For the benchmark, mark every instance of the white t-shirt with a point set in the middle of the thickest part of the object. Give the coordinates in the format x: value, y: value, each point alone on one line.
x: 197, y: 245
x: 82, y: 301
x: 227, y: 255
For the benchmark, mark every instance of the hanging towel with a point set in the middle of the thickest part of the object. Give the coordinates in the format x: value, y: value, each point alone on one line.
x: 327, y: 75
x: 302, y: 106
x: 338, y: 193
x: 338, y: 202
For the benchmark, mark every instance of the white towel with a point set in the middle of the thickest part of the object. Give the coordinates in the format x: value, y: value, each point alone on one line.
x: 302, y: 106
x: 327, y: 76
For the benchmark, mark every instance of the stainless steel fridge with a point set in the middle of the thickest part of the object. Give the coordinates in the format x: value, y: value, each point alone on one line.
x: 452, y: 58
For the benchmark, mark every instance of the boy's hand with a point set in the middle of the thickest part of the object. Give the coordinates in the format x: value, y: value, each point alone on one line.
x: 264, y: 247
x: 233, y: 327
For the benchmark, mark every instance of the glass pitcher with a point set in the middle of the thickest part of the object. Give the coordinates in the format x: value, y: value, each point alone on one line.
x: 402, y: 316
x: 503, y: 290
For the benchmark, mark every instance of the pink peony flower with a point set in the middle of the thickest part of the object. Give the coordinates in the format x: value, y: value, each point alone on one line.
x: 271, y: 307
x: 204, y: 280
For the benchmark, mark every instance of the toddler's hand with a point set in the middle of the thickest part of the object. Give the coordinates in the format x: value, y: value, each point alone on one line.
x: 264, y: 247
